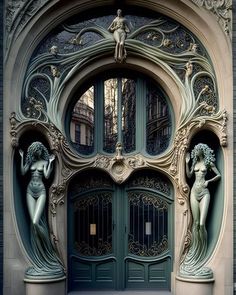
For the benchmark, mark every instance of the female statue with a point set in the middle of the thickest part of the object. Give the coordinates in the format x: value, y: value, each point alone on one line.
x: 39, y: 163
x: 202, y: 161
x: 119, y: 28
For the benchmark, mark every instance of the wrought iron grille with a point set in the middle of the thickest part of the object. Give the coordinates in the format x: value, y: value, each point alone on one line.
x: 93, y: 224
x: 148, y: 224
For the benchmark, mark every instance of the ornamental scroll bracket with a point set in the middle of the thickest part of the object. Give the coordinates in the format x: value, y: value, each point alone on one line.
x: 119, y: 167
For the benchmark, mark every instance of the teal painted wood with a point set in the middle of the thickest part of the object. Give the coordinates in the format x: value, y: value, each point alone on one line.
x: 120, y: 269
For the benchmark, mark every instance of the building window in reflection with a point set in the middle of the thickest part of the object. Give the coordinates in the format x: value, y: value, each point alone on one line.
x: 82, y: 123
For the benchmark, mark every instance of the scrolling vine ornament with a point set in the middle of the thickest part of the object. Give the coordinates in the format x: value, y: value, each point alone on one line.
x: 166, y: 44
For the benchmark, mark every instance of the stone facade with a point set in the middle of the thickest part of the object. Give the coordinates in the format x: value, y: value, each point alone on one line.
x: 27, y: 24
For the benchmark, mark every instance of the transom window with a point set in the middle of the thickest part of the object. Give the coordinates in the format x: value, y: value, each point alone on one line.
x: 131, y: 110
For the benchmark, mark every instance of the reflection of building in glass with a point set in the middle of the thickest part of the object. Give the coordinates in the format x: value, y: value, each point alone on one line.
x: 82, y: 122
x: 117, y: 98
x: 110, y: 114
x: 158, y: 122
x: 128, y: 114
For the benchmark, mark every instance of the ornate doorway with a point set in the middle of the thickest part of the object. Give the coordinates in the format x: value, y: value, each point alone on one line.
x: 120, y: 235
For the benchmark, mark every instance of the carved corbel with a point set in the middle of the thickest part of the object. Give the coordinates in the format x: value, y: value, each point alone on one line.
x: 119, y: 167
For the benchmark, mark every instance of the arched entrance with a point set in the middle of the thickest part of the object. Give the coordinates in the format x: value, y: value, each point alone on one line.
x: 120, y: 236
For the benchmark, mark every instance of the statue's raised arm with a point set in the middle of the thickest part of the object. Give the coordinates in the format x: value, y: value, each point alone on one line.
x: 39, y: 163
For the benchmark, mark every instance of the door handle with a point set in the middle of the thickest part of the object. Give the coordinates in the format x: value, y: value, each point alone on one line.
x: 113, y: 225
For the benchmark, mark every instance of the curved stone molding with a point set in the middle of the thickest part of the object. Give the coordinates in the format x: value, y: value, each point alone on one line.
x: 185, y: 61
x: 222, y: 10
x: 17, y: 15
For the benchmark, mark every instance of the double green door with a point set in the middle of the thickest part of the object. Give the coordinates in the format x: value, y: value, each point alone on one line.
x: 119, y: 235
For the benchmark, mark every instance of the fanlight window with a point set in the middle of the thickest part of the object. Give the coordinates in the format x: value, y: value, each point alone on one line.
x: 132, y: 111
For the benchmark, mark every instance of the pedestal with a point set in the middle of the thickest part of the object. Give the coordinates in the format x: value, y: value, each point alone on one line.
x: 185, y: 286
x: 45, y: 286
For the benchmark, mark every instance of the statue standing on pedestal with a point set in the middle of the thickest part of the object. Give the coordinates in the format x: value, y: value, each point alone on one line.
x: 203, y: 160
x: 45, y: 261
x: 119, y: 27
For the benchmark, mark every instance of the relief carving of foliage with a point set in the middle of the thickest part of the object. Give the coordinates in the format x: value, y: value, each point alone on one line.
x: 57, y: 196
x: 222, y: 9
x: 18, y: 15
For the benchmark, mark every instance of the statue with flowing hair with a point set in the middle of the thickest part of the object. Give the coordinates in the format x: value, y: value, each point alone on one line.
x: 45, y: 261
x: 203, y: 161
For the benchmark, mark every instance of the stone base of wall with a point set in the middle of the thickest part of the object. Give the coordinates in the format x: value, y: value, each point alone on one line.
x: 45, y: 287
x: 194, y: 287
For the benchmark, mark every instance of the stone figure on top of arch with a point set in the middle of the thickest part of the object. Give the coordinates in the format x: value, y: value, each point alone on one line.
x: 119, y: 27
x: 203, y: 161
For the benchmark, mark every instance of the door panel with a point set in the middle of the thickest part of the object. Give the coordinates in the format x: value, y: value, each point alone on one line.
x: 119, y: 236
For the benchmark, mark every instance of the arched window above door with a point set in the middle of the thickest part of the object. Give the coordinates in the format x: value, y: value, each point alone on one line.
x: 131, y: 109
